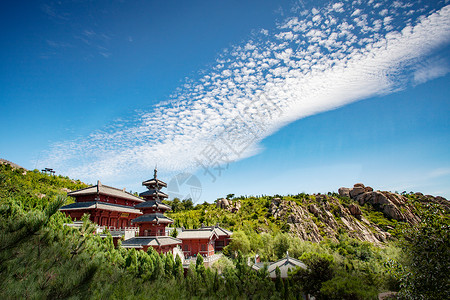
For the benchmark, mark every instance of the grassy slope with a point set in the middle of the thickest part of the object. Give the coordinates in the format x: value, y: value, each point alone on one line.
x: 33, y: 189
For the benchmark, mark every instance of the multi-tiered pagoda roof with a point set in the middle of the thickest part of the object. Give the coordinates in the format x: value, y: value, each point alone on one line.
x: 152, y: 223
x: 153, y: 209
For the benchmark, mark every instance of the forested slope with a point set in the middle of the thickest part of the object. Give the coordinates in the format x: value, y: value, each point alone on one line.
x: 41, y: 258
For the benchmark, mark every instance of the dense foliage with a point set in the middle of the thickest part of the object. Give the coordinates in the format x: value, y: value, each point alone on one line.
x: 42, y: 258
x: 424, y: 267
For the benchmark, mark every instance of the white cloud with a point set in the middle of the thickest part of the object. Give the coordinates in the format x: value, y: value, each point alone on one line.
x: 431, y: 69
x: 257, y: 89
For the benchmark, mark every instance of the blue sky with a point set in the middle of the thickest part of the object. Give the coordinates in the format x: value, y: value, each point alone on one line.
x: 252, y: 97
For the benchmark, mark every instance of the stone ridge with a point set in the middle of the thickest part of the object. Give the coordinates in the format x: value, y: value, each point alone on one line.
x: 327, y: 216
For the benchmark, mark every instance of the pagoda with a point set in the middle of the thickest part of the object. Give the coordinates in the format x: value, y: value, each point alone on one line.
x: 152, y: 223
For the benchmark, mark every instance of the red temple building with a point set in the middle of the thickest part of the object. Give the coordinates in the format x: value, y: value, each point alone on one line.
x: 204, y: 241
x: 223, y: 236
x: 196, y: 241
x: 152, y: 223
x: 107, y: 206
x: 119, y: 210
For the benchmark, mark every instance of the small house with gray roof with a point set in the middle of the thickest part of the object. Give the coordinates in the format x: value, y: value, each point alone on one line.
x: 285, y: 265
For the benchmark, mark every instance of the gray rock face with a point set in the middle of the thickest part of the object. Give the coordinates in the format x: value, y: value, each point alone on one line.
x: 320, y: 216
x: 356, y: 191
x: 344, y: 192
x: 354, y: 210
x: 301, y: 220
x: 222, y: 203
x: 393, y: 206
x: 313, y: 209
x: 229, y: 205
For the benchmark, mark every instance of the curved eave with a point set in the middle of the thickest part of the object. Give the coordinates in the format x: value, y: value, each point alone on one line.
x: 101, y: 206
x: 152, y: 219
x: 154, y: 193
x: 105, y: 190
x: 154, y: 182
x: 151, y: 204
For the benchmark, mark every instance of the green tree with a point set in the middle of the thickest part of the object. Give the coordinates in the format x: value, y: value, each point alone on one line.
x: 278, y: 280
x: 188, y: 204
x: 426, y: 250
x: 37, y: 260
x: 240, y: 242
x: 200, y: 267
x: 319, y: 271
x: 176, y: 204
x: 281, y: 245
x: 178, y: 268
x: 230, y: 196
x: 168, y: 265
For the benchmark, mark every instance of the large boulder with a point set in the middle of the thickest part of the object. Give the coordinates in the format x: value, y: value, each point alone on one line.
x: 368, y: 189
x: 355, y: 210
x: 356, y: 191
x: 344, y: 192
x: 236, y: 207
x: 222, y: 203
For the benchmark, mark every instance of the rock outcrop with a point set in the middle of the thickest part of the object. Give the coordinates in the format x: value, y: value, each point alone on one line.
x: 222, y: 203
x: 326, y: 217
x: 229, y: 205
x: 393, y: 206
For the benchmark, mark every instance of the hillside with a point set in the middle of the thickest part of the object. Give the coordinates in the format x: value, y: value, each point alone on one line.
x: 33, y: 189
x: 366, y: 215
x: 356, y: 244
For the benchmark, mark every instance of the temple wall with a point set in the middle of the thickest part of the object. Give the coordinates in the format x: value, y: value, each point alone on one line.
x: 192, y: 247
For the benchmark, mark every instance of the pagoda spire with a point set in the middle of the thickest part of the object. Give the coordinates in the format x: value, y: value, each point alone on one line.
x: 154, y: 187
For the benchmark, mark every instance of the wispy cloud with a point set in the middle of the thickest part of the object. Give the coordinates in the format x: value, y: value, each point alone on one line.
x: 314, y: 62
x: 431, y: 69
x: 55, y: 13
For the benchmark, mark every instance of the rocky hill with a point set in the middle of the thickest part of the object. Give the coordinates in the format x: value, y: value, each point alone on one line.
x: 365, y: 214
x: 360, y: 212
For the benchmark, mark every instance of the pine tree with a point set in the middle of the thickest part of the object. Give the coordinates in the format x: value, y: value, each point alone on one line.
x: 200, y: 267
x: 37, y: 261
x: 178, y: 268
x: 278, y: 280
x: 168, y: 265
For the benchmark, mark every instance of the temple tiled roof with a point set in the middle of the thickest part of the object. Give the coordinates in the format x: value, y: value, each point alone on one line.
x: 218, y: 230
x: 105, y: 190
x: 285, y: 264
x: 100, y: 205
x: 154, y: 193
x: 157, y: 217
x: 153, y: 181
x: 140, y: 241
x: 196, y: 234
x: 153, y: 203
